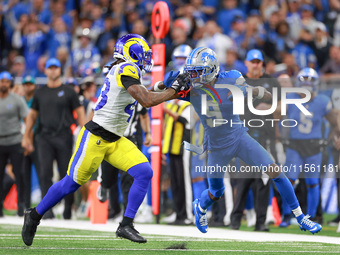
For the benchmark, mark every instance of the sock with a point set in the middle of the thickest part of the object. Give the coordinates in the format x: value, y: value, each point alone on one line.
x: 286, y: 191
x: 35, y: 215
x: 197, y: 188
x: 313, y: 200
x: 205, y: 200
x: 298, y: 212
x: 285, y: 208
x: 142, y: 173
x: 56, y: 193
x: 126, y: 221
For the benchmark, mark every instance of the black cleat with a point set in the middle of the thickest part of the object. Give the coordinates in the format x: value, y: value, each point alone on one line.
x: 129, y: 232
x: 29, y: 228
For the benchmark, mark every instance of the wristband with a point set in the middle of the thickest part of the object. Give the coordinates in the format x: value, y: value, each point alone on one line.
x: 155, y: 87
x: 261, y: 93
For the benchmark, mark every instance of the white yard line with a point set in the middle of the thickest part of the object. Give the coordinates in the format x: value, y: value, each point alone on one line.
x: 182, y: 231
x: 174, y: 250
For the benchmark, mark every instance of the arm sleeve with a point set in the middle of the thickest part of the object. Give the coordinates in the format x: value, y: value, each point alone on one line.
x: 127, y: 81
x: 143, y: 111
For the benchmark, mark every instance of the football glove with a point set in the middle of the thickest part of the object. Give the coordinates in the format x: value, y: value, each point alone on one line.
x: 182, y: 83
x: 170, y: 78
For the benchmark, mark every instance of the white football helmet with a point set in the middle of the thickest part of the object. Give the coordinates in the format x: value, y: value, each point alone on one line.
x: 308, y: 78
x: 202, y: 65
x: 179, y: 56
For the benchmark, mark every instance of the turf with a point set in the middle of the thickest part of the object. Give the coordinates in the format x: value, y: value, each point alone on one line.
x: 63, y: 241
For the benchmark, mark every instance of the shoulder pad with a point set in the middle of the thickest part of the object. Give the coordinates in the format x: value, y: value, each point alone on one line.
x: 129, y: 69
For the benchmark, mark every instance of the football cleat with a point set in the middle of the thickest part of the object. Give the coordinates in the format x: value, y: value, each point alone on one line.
x: 306, y: 224
x: 29, y: 228
x: 130, y: 233
x: 285, y: 221
x: 201, y: 219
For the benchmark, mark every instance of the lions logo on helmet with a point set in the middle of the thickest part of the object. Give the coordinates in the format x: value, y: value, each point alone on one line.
x: 308, y: 78
x: 134, y: 48
x: 202, y: 65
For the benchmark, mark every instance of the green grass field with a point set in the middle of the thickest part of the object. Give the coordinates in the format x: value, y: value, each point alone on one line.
x: 65, y: 241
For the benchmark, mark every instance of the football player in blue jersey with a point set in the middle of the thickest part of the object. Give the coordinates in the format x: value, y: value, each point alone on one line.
x: 102, y: 137
x: 229, y: 140
x: 304, y: 147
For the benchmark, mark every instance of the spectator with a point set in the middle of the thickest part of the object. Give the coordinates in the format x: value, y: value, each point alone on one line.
x: 215, y: 40
x: 253, y: 37
x: 12, y: 111
x: 53, y: 104
x: 29, y: 89
x: 227, y: 14
x: 107, y: 57
x: 139, y: 27
x: 58, y: 37
x: 106, y: 35
x: 291, y: 67
x: 304, y: 55
x: 19, y: 66
x: 179, y: 36
x: 85, y: 53
x: 232, y: 62
x: 58, y: 9
x: 294, y: 19
x: 321, y: 44
x: 238, y: 29
x: 32, y: 39
x: 40, y: 72
x: 65, y: 61
x: 331, y: 69
x: 307, y: 17
x: 88, y: 90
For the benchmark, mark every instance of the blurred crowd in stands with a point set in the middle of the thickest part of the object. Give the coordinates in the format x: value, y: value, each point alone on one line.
x: 81, y: 33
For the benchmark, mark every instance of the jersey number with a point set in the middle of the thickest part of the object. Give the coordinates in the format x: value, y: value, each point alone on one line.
x: 103, y: 96
x: 129, y: 109
x: 306, y: 124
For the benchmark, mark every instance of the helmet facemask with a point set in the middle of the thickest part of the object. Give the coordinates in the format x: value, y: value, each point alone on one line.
x: 308, y: 79
x: 202, y: 66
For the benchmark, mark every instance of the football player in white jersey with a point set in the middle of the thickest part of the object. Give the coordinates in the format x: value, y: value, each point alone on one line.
x: 102, y: 137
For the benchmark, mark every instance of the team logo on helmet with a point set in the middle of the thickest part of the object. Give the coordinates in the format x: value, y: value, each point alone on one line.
x: 206, y: 57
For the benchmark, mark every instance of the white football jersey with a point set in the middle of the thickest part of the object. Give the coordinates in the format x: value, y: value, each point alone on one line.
x: 115, y: 106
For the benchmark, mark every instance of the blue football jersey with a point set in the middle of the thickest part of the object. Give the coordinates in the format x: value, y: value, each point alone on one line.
x: 219, y: 107
x: 308, y: 127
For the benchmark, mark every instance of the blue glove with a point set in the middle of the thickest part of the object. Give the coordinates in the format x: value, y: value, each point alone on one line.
x: 170, y: 78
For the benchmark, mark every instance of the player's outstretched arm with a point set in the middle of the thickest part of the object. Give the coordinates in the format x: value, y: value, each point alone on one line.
x: 149, y: 98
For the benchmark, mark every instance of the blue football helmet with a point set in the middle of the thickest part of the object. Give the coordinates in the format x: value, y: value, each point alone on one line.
x: 135, y: 49
x: 308, y: 78
x: 202, y: 65
x: 179, y: 56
